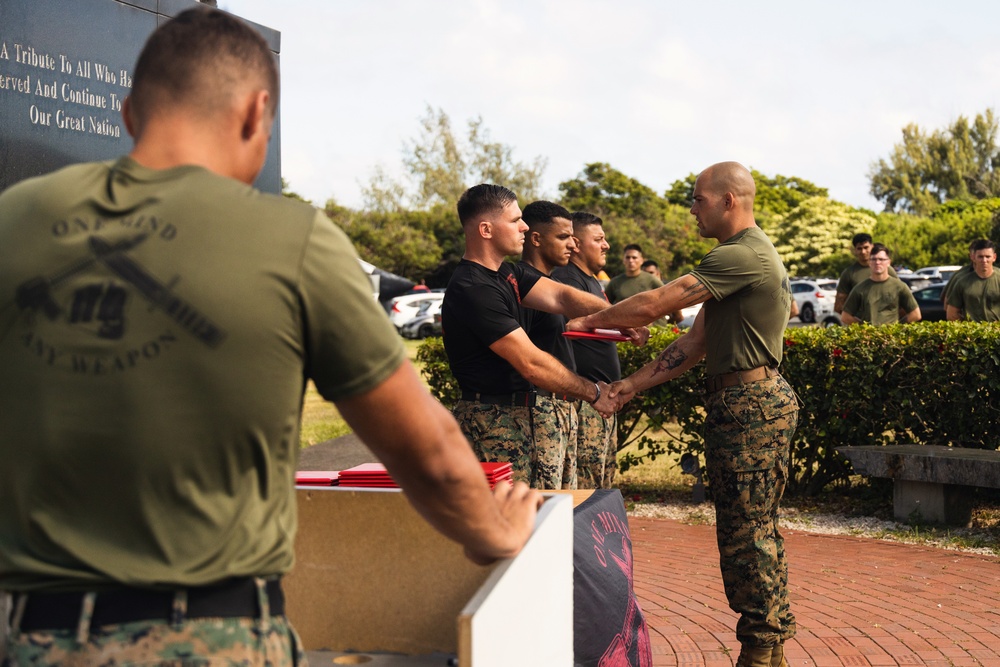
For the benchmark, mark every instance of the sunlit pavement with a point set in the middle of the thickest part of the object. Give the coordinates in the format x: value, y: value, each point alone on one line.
x: 858, y: 601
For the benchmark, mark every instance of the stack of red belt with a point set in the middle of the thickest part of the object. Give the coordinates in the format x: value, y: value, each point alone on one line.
x: 374, y: 475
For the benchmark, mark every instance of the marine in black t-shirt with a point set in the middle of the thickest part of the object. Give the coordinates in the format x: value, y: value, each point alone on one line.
x: 480, y: 307
x: 546, y: 329
x: 595, y: 359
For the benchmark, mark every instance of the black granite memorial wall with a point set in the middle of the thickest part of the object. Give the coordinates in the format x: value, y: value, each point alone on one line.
x: 65, y: 67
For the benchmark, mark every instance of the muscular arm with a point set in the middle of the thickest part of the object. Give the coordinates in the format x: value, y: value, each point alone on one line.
x: 838, y: 303
x: 540, y: 368
x: 643, y: 308
x: 953, y: 314
x: 424, y: 450
x: 847, y: 318
x: 555, y: 297
x: 676, y: 359
x: 543, y: 370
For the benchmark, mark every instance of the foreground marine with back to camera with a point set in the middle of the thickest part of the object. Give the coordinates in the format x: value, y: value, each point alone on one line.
x: 149, y: 432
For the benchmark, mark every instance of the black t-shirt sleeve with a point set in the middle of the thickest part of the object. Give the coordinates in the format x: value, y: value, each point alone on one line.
x: 485, y: 311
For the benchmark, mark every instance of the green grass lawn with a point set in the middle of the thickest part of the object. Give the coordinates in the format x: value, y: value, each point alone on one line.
x: 320, y: 419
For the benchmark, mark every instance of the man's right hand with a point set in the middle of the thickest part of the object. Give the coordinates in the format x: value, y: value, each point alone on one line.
x: 622, y: 392
x: 518, y: 504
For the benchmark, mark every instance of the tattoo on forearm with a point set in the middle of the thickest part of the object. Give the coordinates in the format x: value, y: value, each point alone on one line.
x: 694, y: 293
x: 669, y: 359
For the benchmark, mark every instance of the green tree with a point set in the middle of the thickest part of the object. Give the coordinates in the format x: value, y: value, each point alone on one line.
x: 286, y: 191
x: 603, y: 190
x: 959, y: 162
x: 634, y: 213
x: 941, y: 238
x: 813, y: 239
x: 401, y: 242
x: 439, y: 166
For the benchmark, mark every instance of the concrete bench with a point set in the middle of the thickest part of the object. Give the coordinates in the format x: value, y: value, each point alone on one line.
x: 931, y: 484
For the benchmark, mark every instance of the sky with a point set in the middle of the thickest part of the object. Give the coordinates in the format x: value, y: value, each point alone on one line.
x: 658, y: 89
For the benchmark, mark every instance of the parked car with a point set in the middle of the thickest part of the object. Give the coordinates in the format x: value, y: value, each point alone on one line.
x: 404, y: 308
x: 929, y: 301
x: 815, y: 298
x: 942, y: 273
x: 917, y: 281
x: 426, y: 323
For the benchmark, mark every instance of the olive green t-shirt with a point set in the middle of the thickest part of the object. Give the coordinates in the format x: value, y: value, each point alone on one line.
x: 954, y: 280
x: 978, y: 298
x: 622, y: 287
x: 880, y: 303
x: 746, y: 318
x: 157, y: 330
x: 854, y: 274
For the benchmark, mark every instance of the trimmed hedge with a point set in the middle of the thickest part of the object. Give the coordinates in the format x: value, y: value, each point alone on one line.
x: 931, y: 383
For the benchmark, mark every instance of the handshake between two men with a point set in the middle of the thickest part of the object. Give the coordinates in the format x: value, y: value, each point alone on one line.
x: 634, y: 313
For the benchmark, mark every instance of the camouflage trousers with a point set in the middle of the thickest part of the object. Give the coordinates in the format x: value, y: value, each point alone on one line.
x: 554, y: 426
x: 538, y: 442
x: 265, y: 641
x: 596, y: 449
x: 748, y: 432
x: 499, y: 433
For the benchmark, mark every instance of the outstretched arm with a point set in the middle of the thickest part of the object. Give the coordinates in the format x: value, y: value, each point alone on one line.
x: 555, y: 297
x: 543, y: 370
x: 424, y: 450
x: 641, y: 309
x: 678, y: 357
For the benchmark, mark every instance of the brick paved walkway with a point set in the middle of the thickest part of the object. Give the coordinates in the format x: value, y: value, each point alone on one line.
x: 858, y: 602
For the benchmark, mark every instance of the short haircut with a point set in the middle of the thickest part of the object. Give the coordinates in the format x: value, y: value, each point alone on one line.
x: 199, y: 59
x: 982, y: 244
x: 583, y: 219
x: 878, y: 247
x: 483, y: 199
x: 861, y: 238
x: 632, y: 246
x: 542, y: 213
x: 649, y: 262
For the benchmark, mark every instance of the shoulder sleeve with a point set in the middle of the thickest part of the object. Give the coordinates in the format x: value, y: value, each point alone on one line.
x: 567, y: 276
x: 955, y: 292
x: 907, y: 301
x: 727, y: 269
x: 526, y: 277
x: 485, y: 310
x: 351, y: 347
x: 844, y: 284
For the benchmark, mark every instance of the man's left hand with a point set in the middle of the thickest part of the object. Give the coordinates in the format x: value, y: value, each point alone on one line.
x: 637, y: 336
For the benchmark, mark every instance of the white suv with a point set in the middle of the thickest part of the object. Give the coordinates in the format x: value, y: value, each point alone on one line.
x: 404, y: 308
x: 815, y: 298
x: 939, y: 273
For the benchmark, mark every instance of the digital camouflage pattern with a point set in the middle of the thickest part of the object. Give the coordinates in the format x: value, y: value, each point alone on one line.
x: 211, y: 642
x: 554, y: 424
x: 748, y: 431
x: 596, y: 449
x: 498, y: 433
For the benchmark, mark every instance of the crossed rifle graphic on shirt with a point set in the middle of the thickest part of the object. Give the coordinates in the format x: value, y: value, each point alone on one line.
x: 36, y: 294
